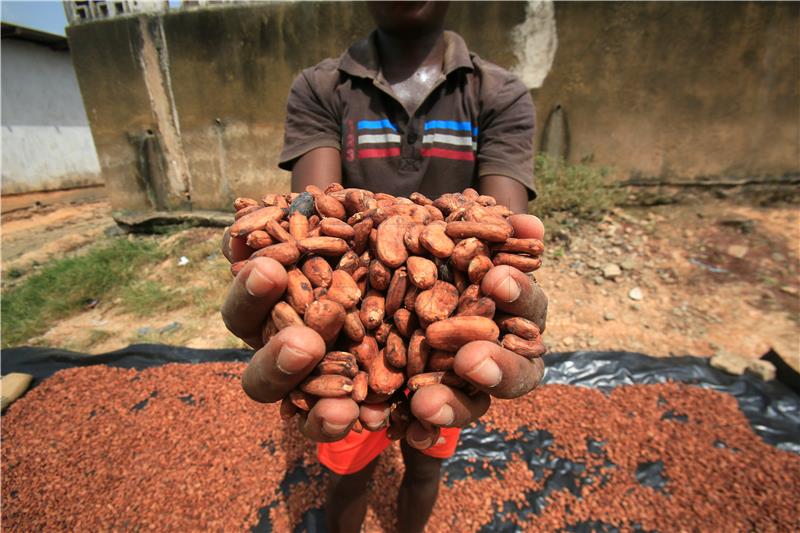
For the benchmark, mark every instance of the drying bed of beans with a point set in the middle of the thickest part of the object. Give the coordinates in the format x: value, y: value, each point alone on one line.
x: 179, y: 447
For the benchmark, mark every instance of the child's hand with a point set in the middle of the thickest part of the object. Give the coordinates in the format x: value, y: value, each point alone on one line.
x: 491, y: 368
x: 289, y: 356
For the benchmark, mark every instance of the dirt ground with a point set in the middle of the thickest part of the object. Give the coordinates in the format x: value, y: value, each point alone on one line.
x: 668, y: 280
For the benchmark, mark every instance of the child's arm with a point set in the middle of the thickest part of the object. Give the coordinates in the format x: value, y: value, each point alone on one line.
x: 320, y: 167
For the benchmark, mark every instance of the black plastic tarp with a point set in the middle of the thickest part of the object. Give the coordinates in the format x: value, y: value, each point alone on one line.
x: 772, y: 409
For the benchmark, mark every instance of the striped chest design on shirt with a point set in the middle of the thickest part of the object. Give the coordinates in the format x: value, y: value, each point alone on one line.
x: 449, y: 139
x: 377, y: 138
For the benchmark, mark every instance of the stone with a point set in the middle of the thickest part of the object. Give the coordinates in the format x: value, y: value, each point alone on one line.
x: 763, y: 369
x: 608, y: 315
x: 779, y: 257
x: 635, y: 294
x: 628, y: 264
x: 611, y: 271
x: 789, y: 290
x: 568, y: 341
x: 737, y: 250
x: 598, y: 280
x: 729, y: 362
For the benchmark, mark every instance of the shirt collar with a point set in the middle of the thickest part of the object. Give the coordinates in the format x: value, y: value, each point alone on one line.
x: 361, y: 59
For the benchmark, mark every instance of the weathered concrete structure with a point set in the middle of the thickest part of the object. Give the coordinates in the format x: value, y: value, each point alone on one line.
x: 47, y: 143
x: 187, y: 108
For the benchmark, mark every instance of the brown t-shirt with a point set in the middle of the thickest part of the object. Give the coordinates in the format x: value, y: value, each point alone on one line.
x: 477, y: 121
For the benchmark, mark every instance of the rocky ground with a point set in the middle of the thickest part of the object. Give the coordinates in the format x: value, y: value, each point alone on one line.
x: 669, y: 280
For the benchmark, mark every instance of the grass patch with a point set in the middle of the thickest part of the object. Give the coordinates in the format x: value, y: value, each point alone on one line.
x: 63, y: 287
x: 145, y: 297
x: 582, y: 190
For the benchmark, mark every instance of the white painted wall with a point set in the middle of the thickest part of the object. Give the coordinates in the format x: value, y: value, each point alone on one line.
x: 46, y: 140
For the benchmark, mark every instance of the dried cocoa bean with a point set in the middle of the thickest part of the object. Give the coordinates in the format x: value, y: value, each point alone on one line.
x: 364, y: 351
x: 520, y: 262
x: 533, y: 247
x: 478, y: 268
x: 436, y: 303
x: 318, y: 271
x: 440, y: 361
x: 379, y: 275
x: 298, y: 226
x: 421, y: 272
x: 480, y: 307
x: 246, y: 211
x: 343, y: 289
x: 384, y: 379
x: 328, y: 386
x: 411, y: 239
x: 256, y: 220
x: 284, y: 315
x: 327, y: 246
x: 405, y: 321
x: 417, y: 353
x: 326, y: 317
x: 520, y: 327
x: 327, y: 206
x: 434, y: 239
x: 420, y: 199
x: 284, y: 253
x: 361, y: 232
x: 299, y: 293
x: 389, y: 244
x: 333, y: 227
x: 259, y: 239
x: 302, y: 400
x: 349, y: 262
x: 465, y: 250
x: 341, y: 363
x: 278, y: 233
x: 382, y: 332
x: 241, y: 203
x: 372, y: 310
x: 479, y: 230
x: 237, y: 267
x: 353, y: 327
x: 434, y: 378
x: 525, y: 348
x: 287, y: 409
x: 396, y: 291
x: 395, y: 349
x: 453, y: 333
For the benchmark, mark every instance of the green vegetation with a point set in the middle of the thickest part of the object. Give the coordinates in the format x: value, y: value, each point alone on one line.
x: 144, y: 297
x: 582, y: 190
x: 65, y: 286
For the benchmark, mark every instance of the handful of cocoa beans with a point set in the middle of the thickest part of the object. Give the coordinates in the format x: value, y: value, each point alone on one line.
x: 391, y: 284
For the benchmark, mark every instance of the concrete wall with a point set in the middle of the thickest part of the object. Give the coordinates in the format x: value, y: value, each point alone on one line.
x: 187, y: 109
x: 46, y: 140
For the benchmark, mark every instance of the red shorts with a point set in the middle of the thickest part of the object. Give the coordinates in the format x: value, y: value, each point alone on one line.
x: 357, y: 450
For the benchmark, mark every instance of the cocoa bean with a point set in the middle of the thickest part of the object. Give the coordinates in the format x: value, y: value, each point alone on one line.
x: 525, y: 348
x: 479, y: 230
x: 434, y: 239
x: 284, y: 253
x: 302, y: 400
x: 327, y: 206
x: 353, y: 327
x: 278, y: 233
x: 417, y: 353
x: 533, y: 247
x: 238, y: 266
x: 520, y: 327
x: 389, y: 241
x: 299, y: 293
x: 405, y: 321
x: 465, y: 250
x: 343, y: 289
x: 379, y: 275
x: 318, y: 271
x: 421, y: 272
x: 333, y: 227
x: 326, y: 317
x: 520, y: 262
x: 434, y: 378
x: 241, y: 203
x: 327, y: 246
x: 298, y: 225
x: 372, y: 310
x: 453, y: 333
x: 349, y: 262
x: 396, y: 291
x: 440, y: 361
x: 384, y: 379
x: 361, y: 232
x: 259, y: 239
x: 284, y: 315
x: 256, y: 220
x: 395, y: 349
x: 246, y: 211
x: 328, y: 386
x: 478, y: 268
x: 436, y: 303
x: 360, y: 387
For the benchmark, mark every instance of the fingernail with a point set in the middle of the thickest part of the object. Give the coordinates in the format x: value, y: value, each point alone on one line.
x: 376, y: 427
x: 512, y: 289
x: 332, y: 429
x: 440, y: 441
x: 291, y: 361
x: 444, y: 417
x: 420, y: 444
x: 257, y: 284
x: 486, y: 373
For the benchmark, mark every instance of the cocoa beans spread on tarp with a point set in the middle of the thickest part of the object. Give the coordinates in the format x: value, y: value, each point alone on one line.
x: 391, y: 284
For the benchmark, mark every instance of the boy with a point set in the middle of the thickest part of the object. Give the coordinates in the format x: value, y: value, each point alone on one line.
x: 408, y: 109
